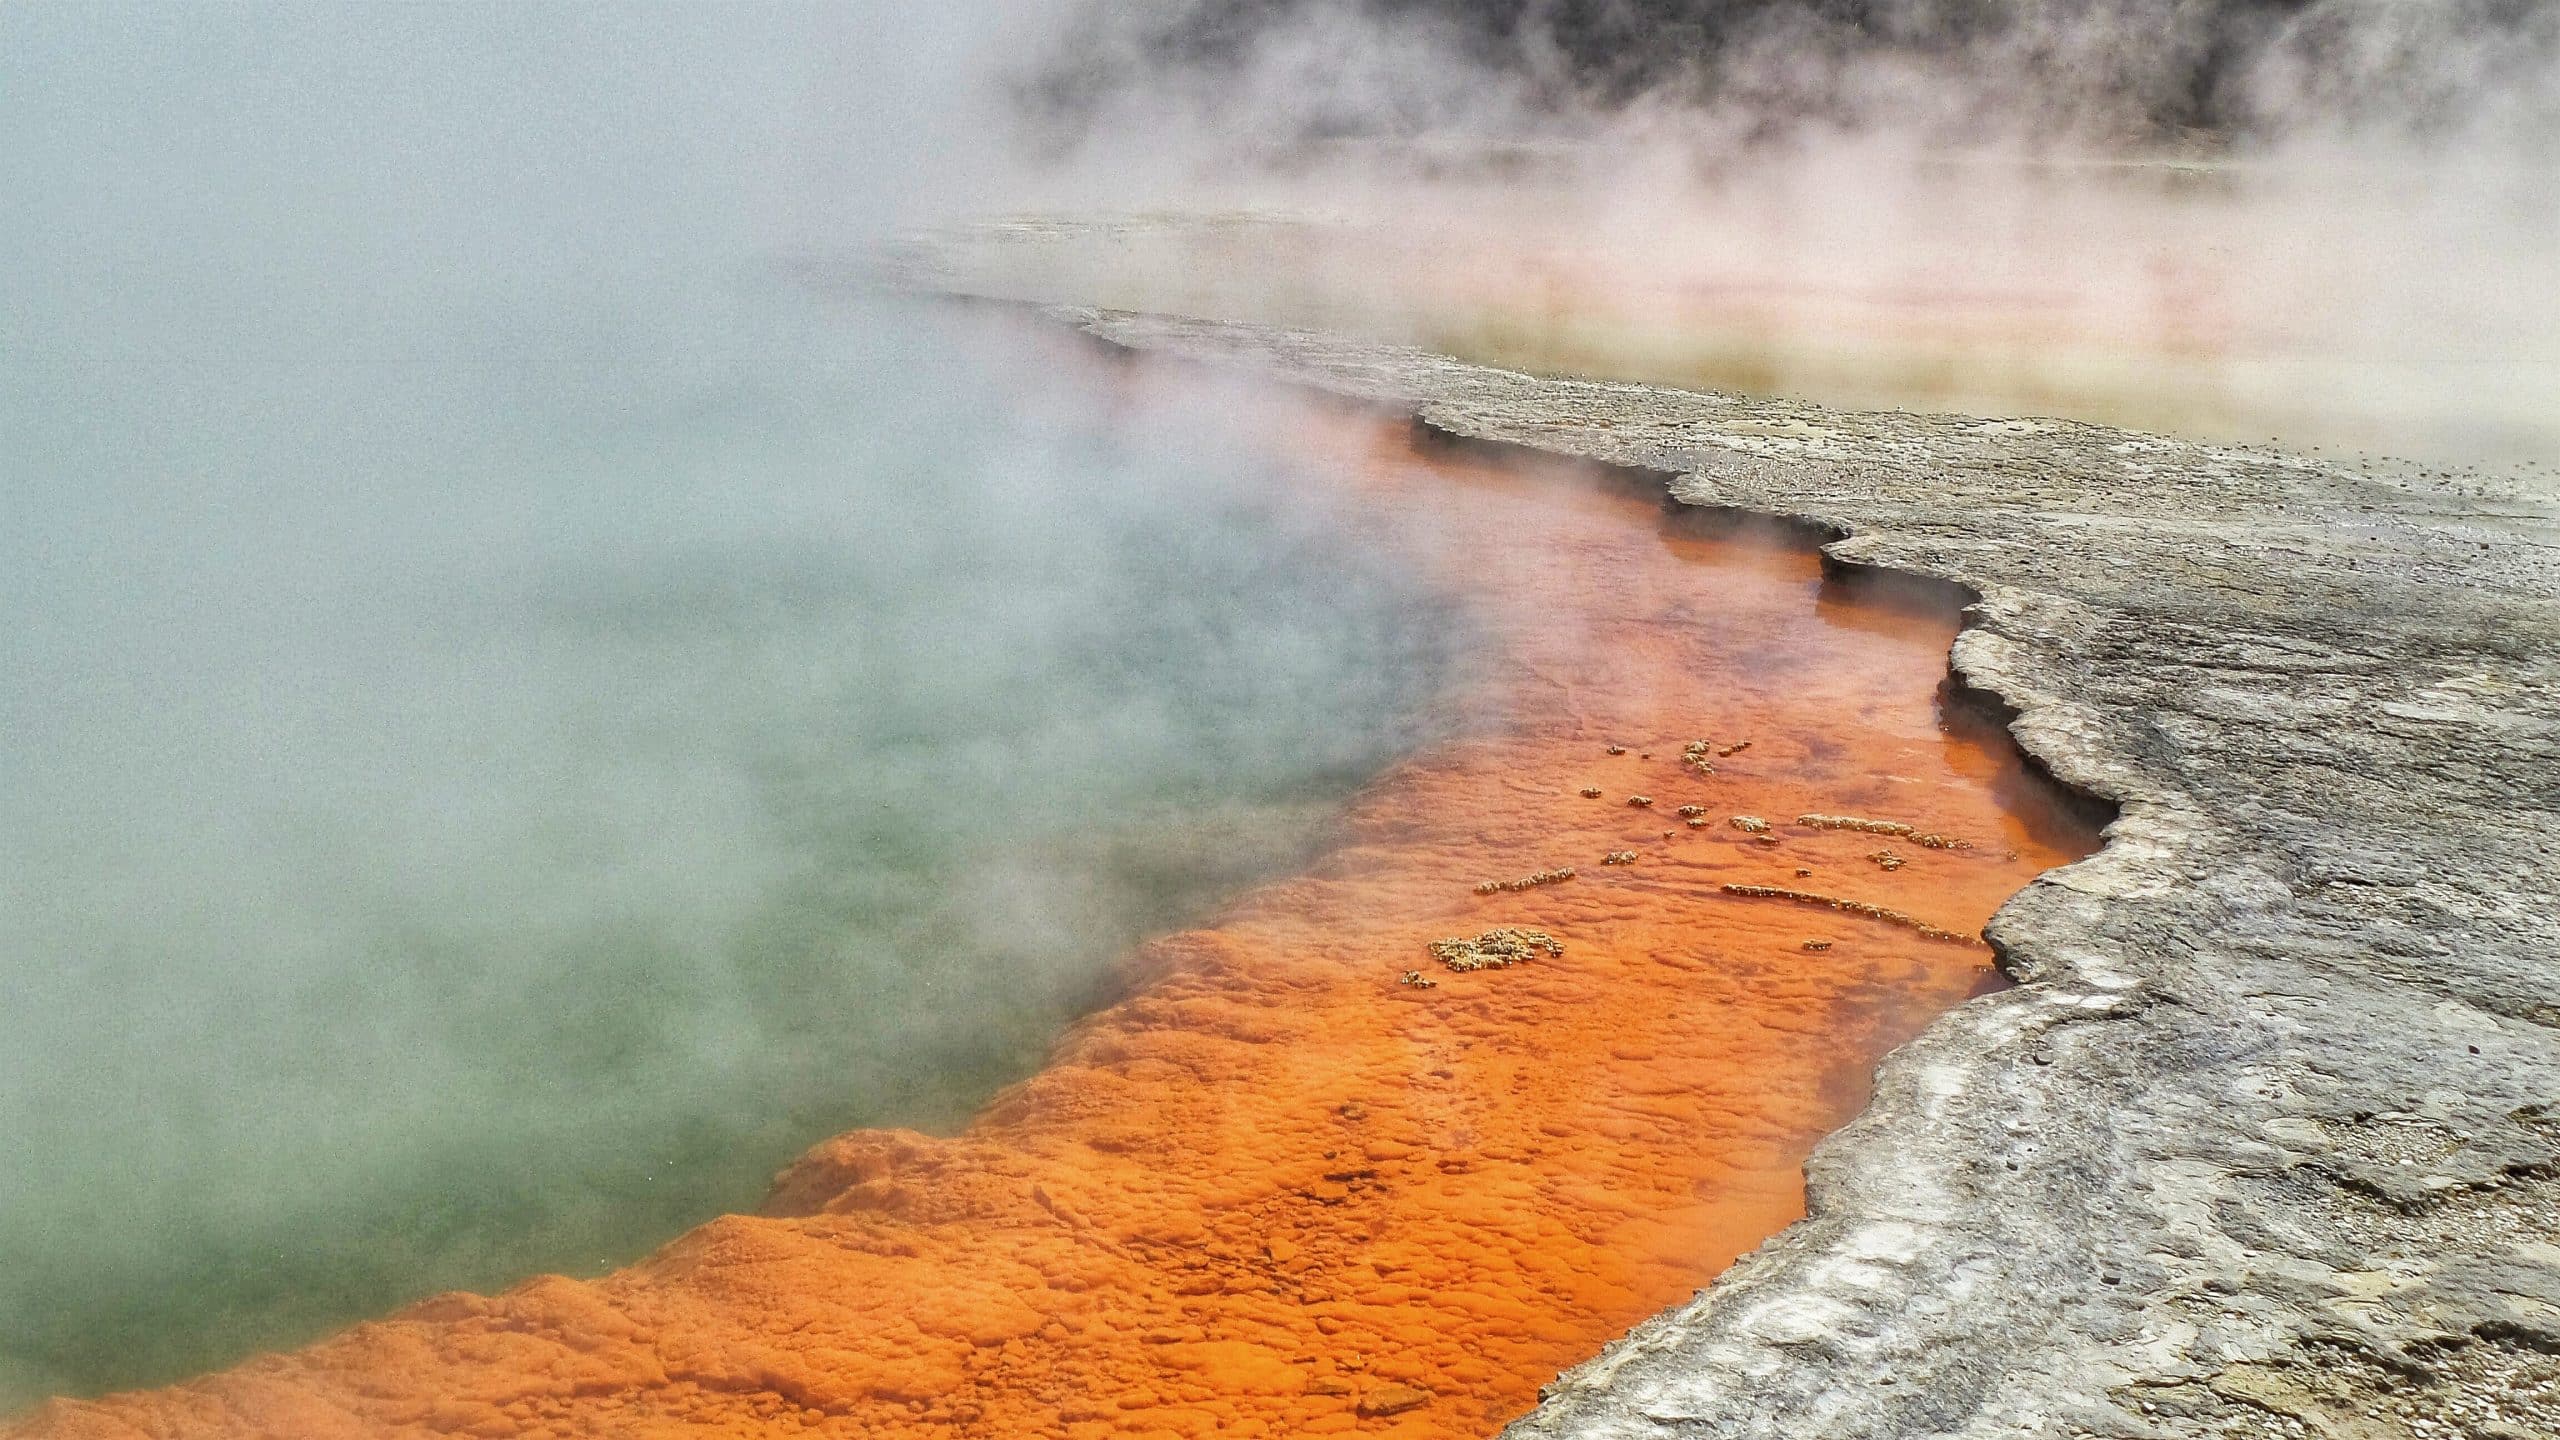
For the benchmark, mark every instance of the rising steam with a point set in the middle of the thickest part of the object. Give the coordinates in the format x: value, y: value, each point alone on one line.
x: 2191, y: 73
x: 2329, y: 223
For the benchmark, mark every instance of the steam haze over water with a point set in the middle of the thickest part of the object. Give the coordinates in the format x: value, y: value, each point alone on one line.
x: 2331, y: 224
x: 515, y: 719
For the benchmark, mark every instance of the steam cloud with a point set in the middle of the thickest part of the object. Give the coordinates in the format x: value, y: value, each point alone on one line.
x: 2197, y: 72
x: 2331, y: 223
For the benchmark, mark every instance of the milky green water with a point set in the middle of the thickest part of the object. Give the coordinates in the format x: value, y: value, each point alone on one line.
x: 514, y: 720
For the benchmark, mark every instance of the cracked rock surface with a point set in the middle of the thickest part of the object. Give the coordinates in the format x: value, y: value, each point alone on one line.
x: 2266, y: 1142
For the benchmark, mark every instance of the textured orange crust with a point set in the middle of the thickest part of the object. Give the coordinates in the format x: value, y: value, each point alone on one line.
x: 1278, y: 1191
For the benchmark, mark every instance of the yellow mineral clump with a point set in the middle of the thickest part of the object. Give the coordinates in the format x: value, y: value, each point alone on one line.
x: 1526, y: 882
x: 1495, y: 949
x: 1852, y: 822
x: 1914, y: 924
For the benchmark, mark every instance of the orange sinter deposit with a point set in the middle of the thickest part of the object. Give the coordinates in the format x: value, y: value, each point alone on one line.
x: 1319, y: 1172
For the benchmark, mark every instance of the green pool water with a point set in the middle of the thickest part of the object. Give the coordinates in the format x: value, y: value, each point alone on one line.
x: 514, y: 719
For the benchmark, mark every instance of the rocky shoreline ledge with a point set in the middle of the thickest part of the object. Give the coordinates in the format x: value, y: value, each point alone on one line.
x: 2266, y: 1142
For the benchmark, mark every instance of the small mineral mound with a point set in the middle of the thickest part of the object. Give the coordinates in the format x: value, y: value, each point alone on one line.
x: 1912, y: 923
x: 1556, y: 876
x: 1853, y: 822
x: 1495, y: 948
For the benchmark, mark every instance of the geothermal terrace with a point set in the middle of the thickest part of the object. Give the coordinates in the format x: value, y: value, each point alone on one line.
x: 2247, y: 1123
x: 2267, y: 1139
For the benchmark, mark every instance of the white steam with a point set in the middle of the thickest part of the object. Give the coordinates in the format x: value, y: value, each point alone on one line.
x: 2333, y: 224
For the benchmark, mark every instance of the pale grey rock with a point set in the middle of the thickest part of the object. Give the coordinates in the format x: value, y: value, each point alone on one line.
x: 2266, y: 1142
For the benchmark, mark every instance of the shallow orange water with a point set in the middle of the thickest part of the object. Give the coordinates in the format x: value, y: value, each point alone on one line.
x: 1276, y: 1191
